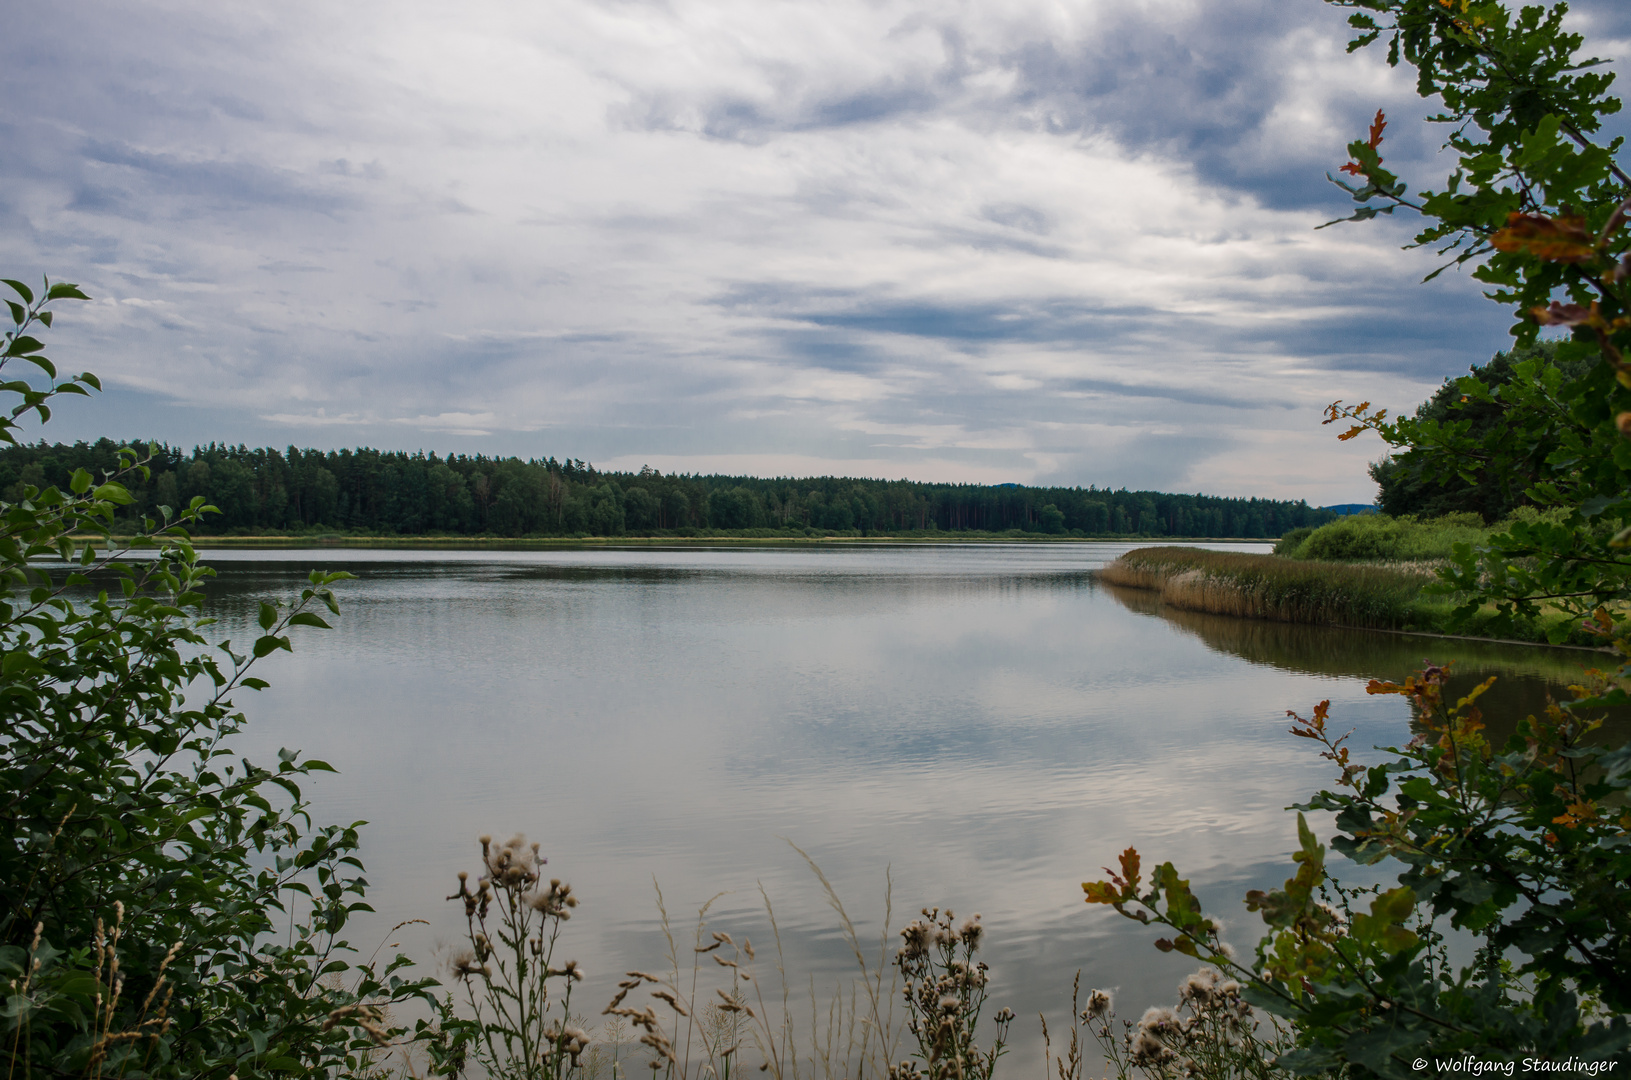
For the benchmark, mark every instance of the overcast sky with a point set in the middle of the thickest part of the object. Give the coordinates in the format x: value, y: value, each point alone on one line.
x: 1044, y: 241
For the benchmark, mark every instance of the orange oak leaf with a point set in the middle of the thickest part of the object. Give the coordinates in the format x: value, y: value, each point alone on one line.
x: 1559, y: 239
x: 1130, y: 867
x: 1559, y: 314
x: 1376, y: 127
x: 1353, y: 168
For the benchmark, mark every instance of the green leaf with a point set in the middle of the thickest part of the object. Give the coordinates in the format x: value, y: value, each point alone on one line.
x: 264, y: 646
x: 117, y: 494
x: 1379, y: 1049
x: 1381, y: 927
x: 22, y: 290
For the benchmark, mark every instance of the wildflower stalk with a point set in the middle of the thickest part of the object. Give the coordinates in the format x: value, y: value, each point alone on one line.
x: 514, y: 925
x: 945, y: 991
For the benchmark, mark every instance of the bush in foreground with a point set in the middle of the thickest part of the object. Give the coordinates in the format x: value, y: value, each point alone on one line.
x: 143, y: 867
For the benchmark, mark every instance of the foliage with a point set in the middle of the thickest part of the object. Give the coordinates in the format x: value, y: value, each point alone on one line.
x: 1566, y: 556
x: 1500, y: 468
x: 142, y: 865
x: 945, y: 990
x: 1535, y: 205
x: 379, y: 493
x: 1522, y: 847
x: 1385, y: 539
x: 1292, y: 540
x: 513, y: 922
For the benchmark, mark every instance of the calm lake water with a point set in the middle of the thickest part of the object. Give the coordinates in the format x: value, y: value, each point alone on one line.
x: 984, y: 724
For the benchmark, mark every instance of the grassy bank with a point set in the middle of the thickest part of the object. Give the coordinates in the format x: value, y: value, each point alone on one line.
x: 1272, y: 587
x: 1321, y: 593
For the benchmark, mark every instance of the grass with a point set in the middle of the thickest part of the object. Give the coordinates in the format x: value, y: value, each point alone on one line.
x: 910, y: 1010
x: 1417, y: 546
x: 1272, y: 587
x: 1370, y: 596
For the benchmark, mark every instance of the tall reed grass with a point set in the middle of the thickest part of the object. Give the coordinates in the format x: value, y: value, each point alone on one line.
x: 1271, y: 587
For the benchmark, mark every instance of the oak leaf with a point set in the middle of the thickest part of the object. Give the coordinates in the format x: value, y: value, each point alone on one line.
x: 1560, y: 314
x: 1560, y: 239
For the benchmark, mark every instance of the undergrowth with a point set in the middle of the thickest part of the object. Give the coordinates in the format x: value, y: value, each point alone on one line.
x: 1327, y: 593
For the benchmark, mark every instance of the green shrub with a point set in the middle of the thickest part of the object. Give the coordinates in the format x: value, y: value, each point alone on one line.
x: 1379, y: 538
x: 1512, y: 845
x: 143, y: 867
x: 1518, y: 848
x: 1292, y: 540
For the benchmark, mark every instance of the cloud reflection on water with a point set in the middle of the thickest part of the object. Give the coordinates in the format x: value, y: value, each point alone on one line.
x: 986, y: 725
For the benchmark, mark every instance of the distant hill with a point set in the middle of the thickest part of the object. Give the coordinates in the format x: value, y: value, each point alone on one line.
x: 1345, y: 509
x: 271, y: 492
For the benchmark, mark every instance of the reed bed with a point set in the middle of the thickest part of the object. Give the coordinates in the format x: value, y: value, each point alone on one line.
x: 1272, y: 587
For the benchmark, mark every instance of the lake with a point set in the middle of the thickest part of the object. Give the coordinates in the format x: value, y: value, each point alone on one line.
x: 984, y: 724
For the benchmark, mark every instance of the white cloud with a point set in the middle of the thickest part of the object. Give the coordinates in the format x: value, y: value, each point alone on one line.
x: 1069, y: 242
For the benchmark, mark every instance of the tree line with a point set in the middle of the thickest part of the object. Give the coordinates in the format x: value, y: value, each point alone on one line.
x: 410, y: 494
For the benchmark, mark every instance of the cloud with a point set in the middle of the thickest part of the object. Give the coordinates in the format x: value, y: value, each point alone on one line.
x: 317, y: 419
x: 452, y: 423
x: 1035, y: 241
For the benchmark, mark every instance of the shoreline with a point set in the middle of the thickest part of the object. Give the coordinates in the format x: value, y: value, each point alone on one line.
x: 1270, y: 588
x: 480, y: 543
x: 1155, y: 590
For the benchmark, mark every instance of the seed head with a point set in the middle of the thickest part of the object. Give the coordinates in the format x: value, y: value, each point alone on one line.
x: 917, y: 936
x: 1158, y: 1019
x: 1147, y: 1050
x: 1199, y: 988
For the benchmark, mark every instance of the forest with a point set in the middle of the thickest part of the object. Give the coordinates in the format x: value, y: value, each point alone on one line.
x: 392, y: 493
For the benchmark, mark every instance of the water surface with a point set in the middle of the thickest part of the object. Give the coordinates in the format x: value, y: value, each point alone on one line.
x: 985, y: 724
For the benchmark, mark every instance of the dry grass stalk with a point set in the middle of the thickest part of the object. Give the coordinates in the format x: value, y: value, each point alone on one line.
x: 850, y: 1038
x: 1270, y: 587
